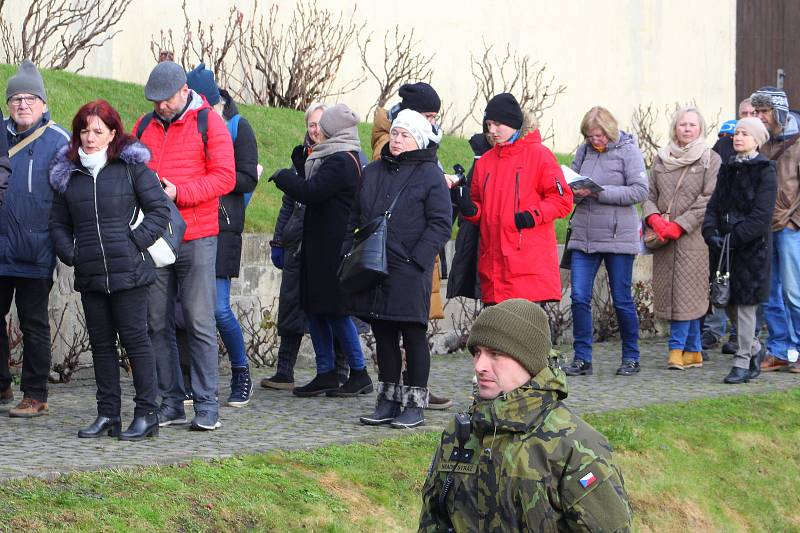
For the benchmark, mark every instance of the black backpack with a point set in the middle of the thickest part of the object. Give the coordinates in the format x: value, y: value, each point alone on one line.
x: 202, y: 126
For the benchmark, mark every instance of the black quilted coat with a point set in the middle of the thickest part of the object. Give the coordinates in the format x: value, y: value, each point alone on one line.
x: 742, y: 205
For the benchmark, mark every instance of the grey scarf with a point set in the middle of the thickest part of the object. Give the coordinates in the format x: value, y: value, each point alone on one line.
x: 345, y: 140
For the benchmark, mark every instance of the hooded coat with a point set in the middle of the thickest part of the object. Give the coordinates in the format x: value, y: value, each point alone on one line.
x: 610, y: 222
x: 511, y: 178
x: 530, y: 465
x: 26, y: 249
x: 417, y: 229
x: 90, y: 220
x: 742, y: 205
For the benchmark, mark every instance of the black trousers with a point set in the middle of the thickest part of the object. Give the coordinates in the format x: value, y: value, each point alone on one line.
x: 390, y: 360
x: 122, y: 313
x: 32, y: 297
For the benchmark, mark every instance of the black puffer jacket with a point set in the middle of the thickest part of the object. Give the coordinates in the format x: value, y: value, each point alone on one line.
x: 742, y: 205
x: 328, y: 194
x: 231, y: 206
x: 90, y: 220
x: 418, y: 228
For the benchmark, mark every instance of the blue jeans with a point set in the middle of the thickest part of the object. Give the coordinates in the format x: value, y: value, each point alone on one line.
x: 685, y: 335
x: 228, y: 325
x: 323, y: 329
x: 620, y: 270
x: 782, y: 312
x: 192, y: 276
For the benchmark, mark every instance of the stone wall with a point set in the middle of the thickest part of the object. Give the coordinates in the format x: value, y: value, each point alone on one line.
x: 258, y: 286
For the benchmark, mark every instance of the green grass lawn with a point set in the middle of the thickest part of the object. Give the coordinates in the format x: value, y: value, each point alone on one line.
x: 277, y: 132
x: 727, y: 465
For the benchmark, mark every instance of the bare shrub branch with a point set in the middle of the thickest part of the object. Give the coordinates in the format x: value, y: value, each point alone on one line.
x: 402, y: 62
x: 260, y: 332
x: 75, y: 342
x: 56, y: 34
x: 513, y: 72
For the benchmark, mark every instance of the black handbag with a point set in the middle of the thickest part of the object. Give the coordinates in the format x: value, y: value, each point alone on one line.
x: 566, y: 255
x: 720, y: 283
x: 366, y: 264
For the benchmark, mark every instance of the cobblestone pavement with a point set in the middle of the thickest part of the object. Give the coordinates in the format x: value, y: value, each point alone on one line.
x: 48, y: 445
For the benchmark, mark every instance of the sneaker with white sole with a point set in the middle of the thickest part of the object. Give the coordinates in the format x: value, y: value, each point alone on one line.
x: 206, y: 421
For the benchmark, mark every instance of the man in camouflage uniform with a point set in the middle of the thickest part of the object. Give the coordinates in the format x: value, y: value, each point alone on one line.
x: 520, y: 460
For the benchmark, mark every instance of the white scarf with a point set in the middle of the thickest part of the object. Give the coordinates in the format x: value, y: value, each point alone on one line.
x: 95, y: 162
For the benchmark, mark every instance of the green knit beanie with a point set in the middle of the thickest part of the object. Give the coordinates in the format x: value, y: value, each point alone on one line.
x: 516, y: 327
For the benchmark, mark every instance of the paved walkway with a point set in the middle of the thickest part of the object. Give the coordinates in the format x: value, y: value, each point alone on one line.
x: 47, y: 446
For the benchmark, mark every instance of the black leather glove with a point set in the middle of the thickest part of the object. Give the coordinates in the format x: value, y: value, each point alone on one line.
x: 299, y: 156
x: 463, y: 200
x: 524, y: 220
x: 275, y: 174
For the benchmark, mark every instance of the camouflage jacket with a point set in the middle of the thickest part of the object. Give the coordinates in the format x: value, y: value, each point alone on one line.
x: 530, y: 464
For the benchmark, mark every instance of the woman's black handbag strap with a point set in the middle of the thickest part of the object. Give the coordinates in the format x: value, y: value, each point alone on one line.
x: 725, y: 255
x: 388, y: 212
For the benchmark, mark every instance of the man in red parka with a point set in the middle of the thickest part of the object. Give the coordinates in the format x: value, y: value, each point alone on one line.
x: 517, y: 191
x: 192, y: 153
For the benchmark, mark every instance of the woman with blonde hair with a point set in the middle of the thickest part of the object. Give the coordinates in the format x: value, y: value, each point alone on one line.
x: 605, y: 229
x: 682, y: 180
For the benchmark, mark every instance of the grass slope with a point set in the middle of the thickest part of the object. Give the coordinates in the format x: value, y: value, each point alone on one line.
x: 277, y: 132
x: 726, y: 465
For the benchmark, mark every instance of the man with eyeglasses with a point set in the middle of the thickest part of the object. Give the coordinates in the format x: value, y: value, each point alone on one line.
x: 27, y: 259
x: 782, y: 312
x: 423, y: 99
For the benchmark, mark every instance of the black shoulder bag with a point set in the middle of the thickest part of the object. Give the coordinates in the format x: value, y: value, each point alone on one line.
x: 720, y: 283
x: 366, y: 264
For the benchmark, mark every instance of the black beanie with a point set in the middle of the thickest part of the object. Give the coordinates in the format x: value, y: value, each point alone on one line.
x: 504, y: 109
x: 419, y: 97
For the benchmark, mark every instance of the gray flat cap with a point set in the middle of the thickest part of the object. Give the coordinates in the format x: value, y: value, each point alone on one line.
x: 165, y: 80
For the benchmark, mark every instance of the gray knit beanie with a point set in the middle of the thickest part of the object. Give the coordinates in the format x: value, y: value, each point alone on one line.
x: 336, y: 118
x: 26, y: 80
x: 516, y: 327
x: 165, y: 80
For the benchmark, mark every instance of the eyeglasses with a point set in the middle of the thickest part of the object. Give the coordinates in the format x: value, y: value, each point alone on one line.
x: 432, y: 116
x: 17, y: 100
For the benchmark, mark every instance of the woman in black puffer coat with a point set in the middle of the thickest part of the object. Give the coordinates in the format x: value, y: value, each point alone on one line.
x: 741, y: 207
x: 418, y: 228
x: 100, y: 178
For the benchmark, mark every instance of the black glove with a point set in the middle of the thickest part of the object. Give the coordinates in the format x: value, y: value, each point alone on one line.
x: 463, y: 200
x: 299, y: 156
x: 715, y: 242
x: 524, y: 220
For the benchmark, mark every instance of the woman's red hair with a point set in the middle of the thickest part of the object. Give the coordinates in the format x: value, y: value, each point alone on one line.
x: 110, y: 117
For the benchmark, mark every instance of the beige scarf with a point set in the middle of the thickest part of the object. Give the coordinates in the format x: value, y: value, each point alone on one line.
x: 674, y: 156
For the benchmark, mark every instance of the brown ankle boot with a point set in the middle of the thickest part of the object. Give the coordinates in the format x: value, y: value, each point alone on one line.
x: 675, y: 361
x: 692, y: 359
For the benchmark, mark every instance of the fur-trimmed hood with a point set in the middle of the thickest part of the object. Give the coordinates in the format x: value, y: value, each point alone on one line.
x: 62, y: 167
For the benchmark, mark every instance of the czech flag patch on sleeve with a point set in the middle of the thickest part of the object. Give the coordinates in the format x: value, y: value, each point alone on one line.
x: 587, y: 480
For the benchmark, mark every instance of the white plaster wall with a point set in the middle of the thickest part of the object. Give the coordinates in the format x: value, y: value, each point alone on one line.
x: 617, y: 53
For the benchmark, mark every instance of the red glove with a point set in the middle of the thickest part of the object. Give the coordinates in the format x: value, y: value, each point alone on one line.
x: 673, y: 231
x: 659, y: 225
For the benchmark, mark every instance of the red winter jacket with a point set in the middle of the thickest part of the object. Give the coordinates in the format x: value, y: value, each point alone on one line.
x: 523, y: 176
x: 178, y: 155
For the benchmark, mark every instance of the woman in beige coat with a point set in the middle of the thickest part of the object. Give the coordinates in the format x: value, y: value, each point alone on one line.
x: 682, y: 179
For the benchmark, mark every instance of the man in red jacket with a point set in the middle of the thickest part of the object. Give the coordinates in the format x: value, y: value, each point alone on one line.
x: 196, y: 167
x: 517, y: 191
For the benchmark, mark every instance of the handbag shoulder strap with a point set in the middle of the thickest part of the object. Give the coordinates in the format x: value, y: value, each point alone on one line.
x: 677, y: 188
x: 388, y: 212
x: 786, y: 145
x: 725, y: 256
x: 29, y: 139
x: 136, y: 207
x: 358, y: 165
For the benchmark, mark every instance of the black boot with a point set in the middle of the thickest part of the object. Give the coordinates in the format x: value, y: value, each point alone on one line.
x: 755, y: 363
x: 102, y: 425
x: 737, y: 375
x: 579, y: 367
x: 385, y: 411
x: 322, y: 383
x: 141, y: 427
x: 358, y: 383
x: 411, y: 417
x: 387, y: 407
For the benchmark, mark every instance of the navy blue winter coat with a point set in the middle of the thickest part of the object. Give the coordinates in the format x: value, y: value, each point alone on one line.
x: 90, y: 221
x: 26, y: 250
